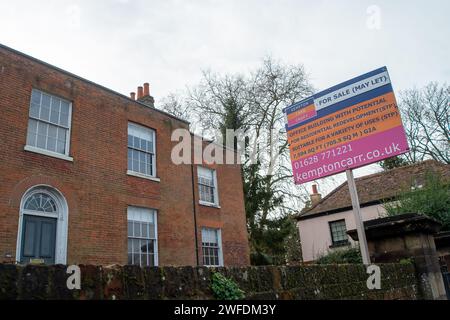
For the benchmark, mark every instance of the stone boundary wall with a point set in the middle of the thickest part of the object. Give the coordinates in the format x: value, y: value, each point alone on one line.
x: 398, y: 281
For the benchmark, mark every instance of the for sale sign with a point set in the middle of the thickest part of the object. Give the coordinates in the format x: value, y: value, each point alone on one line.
x: 352, y: 124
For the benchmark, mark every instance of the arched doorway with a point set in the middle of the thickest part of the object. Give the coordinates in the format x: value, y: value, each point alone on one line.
x: 43, y: 221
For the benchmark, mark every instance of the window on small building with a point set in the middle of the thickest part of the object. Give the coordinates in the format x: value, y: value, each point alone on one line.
x: 142, y: 237
x: 338, y: 232
x: 207, y: 186
x: 49, y: 122
x: 212, y: 247
x: 141, y: 150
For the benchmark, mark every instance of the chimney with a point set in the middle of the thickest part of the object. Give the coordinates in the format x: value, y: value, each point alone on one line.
x: 133, y: 95
x: 145, y: 96
x: 146, y: 89
x: 140, y: 92
x: 315, y: 196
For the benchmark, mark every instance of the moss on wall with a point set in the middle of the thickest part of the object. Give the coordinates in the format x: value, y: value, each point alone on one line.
x: 398, y: 281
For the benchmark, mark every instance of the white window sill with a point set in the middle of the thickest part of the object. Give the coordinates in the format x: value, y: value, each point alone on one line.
x: 209, y: 204
x: 141, y: 175
x: 210, y: 266
x: 48, y: 153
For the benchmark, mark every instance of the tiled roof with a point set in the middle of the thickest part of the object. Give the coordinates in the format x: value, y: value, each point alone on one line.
x: 377, y: 187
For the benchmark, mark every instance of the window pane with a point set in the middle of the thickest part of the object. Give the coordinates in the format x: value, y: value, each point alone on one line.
x: 136, y: 160
x: 36, y: 97
x: 137, y: 229
x: 151, y: 165
x: 130, y: 245
x: 136, y: 142
x: 152, y: 260
x: 136, y: 258
x: 31, y: 139
x: 64, y: 119
x: 32, y: 125
x: 130, y: 140
x: 143, y: 145
x: 130, y: 229
x: 34, y: 110
x: 136, y: 246
x: 152, y: 228
x: 144, y: 230
x: 146, y: 246
x: 41, y: 140
x: 60, y: 147
x: 45, y: 108
x: 62, y: 134
x: 144, y: 260
x: 52, y: 131
x: 142, y: 157
x: 54, y: 110
x: 130, y: 258
x: 65, y: 106
x: 51, y: 144
x: 151, y: 246
x: 42, y: 128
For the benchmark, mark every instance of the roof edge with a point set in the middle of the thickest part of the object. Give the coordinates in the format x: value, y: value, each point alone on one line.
x: 2, y: 46
x: 302, y: 216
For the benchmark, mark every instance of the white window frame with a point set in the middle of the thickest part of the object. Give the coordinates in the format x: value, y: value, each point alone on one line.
x: 137, y: 173
x: 220, y: 247
x: 154, y: 212
x: 216, y: 189
x: 46, y: 152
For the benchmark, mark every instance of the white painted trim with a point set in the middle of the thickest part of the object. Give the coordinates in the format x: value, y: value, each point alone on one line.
x: 155, y: 215
x: 219, y: 237
x: 61, y: 225
x: 141, y: 175
x: 64, y: 156
x: 208, y: 204
x: 48, y: 153
x: 219, y: 240
x: 155, y: 222
x: 154, y: 152
x: 68, y: 133
x: 216, y: 189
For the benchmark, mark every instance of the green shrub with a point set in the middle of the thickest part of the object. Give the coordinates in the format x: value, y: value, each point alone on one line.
x: 350, y: 255
x: 260, y: 259
x: 225, y: 289
x: 406, y: 261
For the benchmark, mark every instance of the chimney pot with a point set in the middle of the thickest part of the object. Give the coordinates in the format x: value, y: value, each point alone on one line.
x: 133, y: 95
x: 146, y: 89
x: 315, y: 196
x: 140, y: 93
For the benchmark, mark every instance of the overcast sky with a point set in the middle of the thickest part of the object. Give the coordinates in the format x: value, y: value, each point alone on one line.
x: 124, y: 43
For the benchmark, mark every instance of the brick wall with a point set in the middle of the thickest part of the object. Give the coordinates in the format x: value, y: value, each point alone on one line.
x: 398, y: 281
x: 95, y: 185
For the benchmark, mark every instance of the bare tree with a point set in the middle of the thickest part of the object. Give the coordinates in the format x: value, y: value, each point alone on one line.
x: 254, y: 104
x: 174, y: 104
x: 426, y: 118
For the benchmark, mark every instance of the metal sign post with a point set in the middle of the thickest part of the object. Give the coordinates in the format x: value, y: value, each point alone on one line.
x: 358, y: 218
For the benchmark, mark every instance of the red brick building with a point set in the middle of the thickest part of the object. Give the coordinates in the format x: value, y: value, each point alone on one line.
x: 86, y: 177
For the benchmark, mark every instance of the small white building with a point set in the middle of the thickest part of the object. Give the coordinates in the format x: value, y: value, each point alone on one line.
x: 323, y: 226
